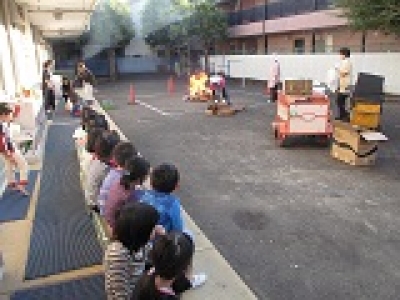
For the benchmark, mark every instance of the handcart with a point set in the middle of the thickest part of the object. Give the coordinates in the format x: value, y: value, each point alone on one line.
x: 302, y: 116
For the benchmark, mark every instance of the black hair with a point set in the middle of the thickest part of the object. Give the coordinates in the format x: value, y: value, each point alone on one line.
x: 5, y: 109
x: 345, y: 51
x: 92, y: 136
x: 47, y: 63
x: 164, y: 178
x: 136, y: 169
x: 122, y: 152
x: 105, y: 145
x: 172, y: 254
x: 134, y: 224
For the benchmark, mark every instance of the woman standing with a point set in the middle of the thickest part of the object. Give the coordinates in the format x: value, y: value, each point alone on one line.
x: 48, y: 87
x: 275, y: 78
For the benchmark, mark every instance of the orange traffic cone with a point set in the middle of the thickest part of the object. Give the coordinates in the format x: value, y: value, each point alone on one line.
x: 132, y: 95
x: 171, y: 85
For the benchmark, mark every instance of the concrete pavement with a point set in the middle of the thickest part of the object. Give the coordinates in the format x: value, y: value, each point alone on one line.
x: 293, y: 223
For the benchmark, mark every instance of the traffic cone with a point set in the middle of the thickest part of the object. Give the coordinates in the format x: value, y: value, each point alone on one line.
x: 171, y: 85
x: 132, y: 95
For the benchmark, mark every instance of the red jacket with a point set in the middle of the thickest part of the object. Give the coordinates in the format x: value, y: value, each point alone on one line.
x: 6, y: 145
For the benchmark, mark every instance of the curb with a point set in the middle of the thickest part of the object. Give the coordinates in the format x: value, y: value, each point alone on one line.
x: 223, y: 281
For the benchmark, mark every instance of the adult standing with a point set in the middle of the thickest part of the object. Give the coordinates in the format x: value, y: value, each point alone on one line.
x: 83, y: 74
x: 275, y: 78
x: 48, y: 86
x: 345, y: 76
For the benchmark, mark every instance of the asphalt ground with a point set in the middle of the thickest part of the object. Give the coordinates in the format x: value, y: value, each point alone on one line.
x: 294, y: 222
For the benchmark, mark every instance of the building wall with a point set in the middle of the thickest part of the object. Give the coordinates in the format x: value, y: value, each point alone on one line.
x: 310, y: 66
x: 245, y: 4
x: 327, y: 40
x: 378, y: 42
x: 22, y: 50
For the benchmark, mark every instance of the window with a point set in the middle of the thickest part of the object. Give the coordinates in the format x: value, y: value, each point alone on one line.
x: 299, y: 46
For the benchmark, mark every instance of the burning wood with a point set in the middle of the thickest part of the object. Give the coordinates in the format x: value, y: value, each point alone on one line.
x: 198, y: 86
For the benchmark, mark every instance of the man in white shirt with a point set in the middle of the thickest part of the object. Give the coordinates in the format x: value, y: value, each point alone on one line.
x: 345, y: 76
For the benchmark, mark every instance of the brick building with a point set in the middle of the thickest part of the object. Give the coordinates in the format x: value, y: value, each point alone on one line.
x: 295, y: 26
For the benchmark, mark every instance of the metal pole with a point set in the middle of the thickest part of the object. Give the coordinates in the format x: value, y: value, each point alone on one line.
x: 263, y: 27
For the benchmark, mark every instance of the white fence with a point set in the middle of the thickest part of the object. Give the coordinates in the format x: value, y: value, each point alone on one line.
x: 310, y: 66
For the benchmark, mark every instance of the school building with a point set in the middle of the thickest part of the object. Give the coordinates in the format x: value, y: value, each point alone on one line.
x: 295, y: 27
x: 26, y: 27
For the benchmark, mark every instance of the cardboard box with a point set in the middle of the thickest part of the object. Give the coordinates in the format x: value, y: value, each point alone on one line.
x: 366, y: 115
x: 298, y: 87
x: 353, y: 145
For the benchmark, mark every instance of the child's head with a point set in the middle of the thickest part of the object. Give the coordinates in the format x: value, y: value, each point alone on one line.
x: 105, y: 145
x: 344, y: 52
x: 136, y: 170
x: 134, y: 224
x: 5, y: 112
x: 164, y: 178
x: 122, y: 152
x: 172, y: 255
x: 92, y: 136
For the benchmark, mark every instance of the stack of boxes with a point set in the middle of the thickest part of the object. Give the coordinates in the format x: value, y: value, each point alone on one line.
x: 356, y: 143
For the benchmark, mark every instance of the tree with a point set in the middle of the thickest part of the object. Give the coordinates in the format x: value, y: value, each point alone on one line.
x: 209, y: 24
x: 365, y: 15
x: 111, y: 29
x: 157, y: 14
x: 177, y: 23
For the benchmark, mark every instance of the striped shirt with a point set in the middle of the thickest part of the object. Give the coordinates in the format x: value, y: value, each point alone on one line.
x: 122, y: 270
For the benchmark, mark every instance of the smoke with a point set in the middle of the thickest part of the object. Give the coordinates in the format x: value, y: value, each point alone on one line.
x: 108, y: 28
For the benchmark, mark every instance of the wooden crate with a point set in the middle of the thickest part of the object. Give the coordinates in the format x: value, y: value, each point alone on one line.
x: 297, y: 87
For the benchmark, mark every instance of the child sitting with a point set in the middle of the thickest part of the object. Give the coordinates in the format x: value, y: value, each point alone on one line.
x: 124, y: 259
x: 99, y: 166
x: 122, y: 152
x: 89, y: 154
x: 134, y: 174
x: 172, y: 258
x: 164, y: 180
x: 11, y: 154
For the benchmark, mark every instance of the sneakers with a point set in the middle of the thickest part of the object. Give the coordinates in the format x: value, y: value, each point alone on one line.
x: 198, y: 280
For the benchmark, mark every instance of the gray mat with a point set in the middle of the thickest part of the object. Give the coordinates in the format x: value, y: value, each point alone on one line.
x: 13, y: 204
x: 63, y: 236
x: 81, y: 289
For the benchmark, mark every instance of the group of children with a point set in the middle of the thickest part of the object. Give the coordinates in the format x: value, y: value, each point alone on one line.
x: 150, y: 255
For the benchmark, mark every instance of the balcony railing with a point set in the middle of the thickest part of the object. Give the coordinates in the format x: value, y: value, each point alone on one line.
x: 274, y: 10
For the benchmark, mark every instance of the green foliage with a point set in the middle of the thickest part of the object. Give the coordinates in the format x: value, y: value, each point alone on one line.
x: 381, y: 15
x: 208, y: 23
x: 200, y: 19
x: 111, y: 24
x: 158, y: 14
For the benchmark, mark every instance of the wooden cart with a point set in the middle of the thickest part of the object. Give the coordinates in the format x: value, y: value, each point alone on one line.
x: 302, y: 116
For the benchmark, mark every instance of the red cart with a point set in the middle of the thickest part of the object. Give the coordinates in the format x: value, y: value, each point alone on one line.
x: 302, y: 116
